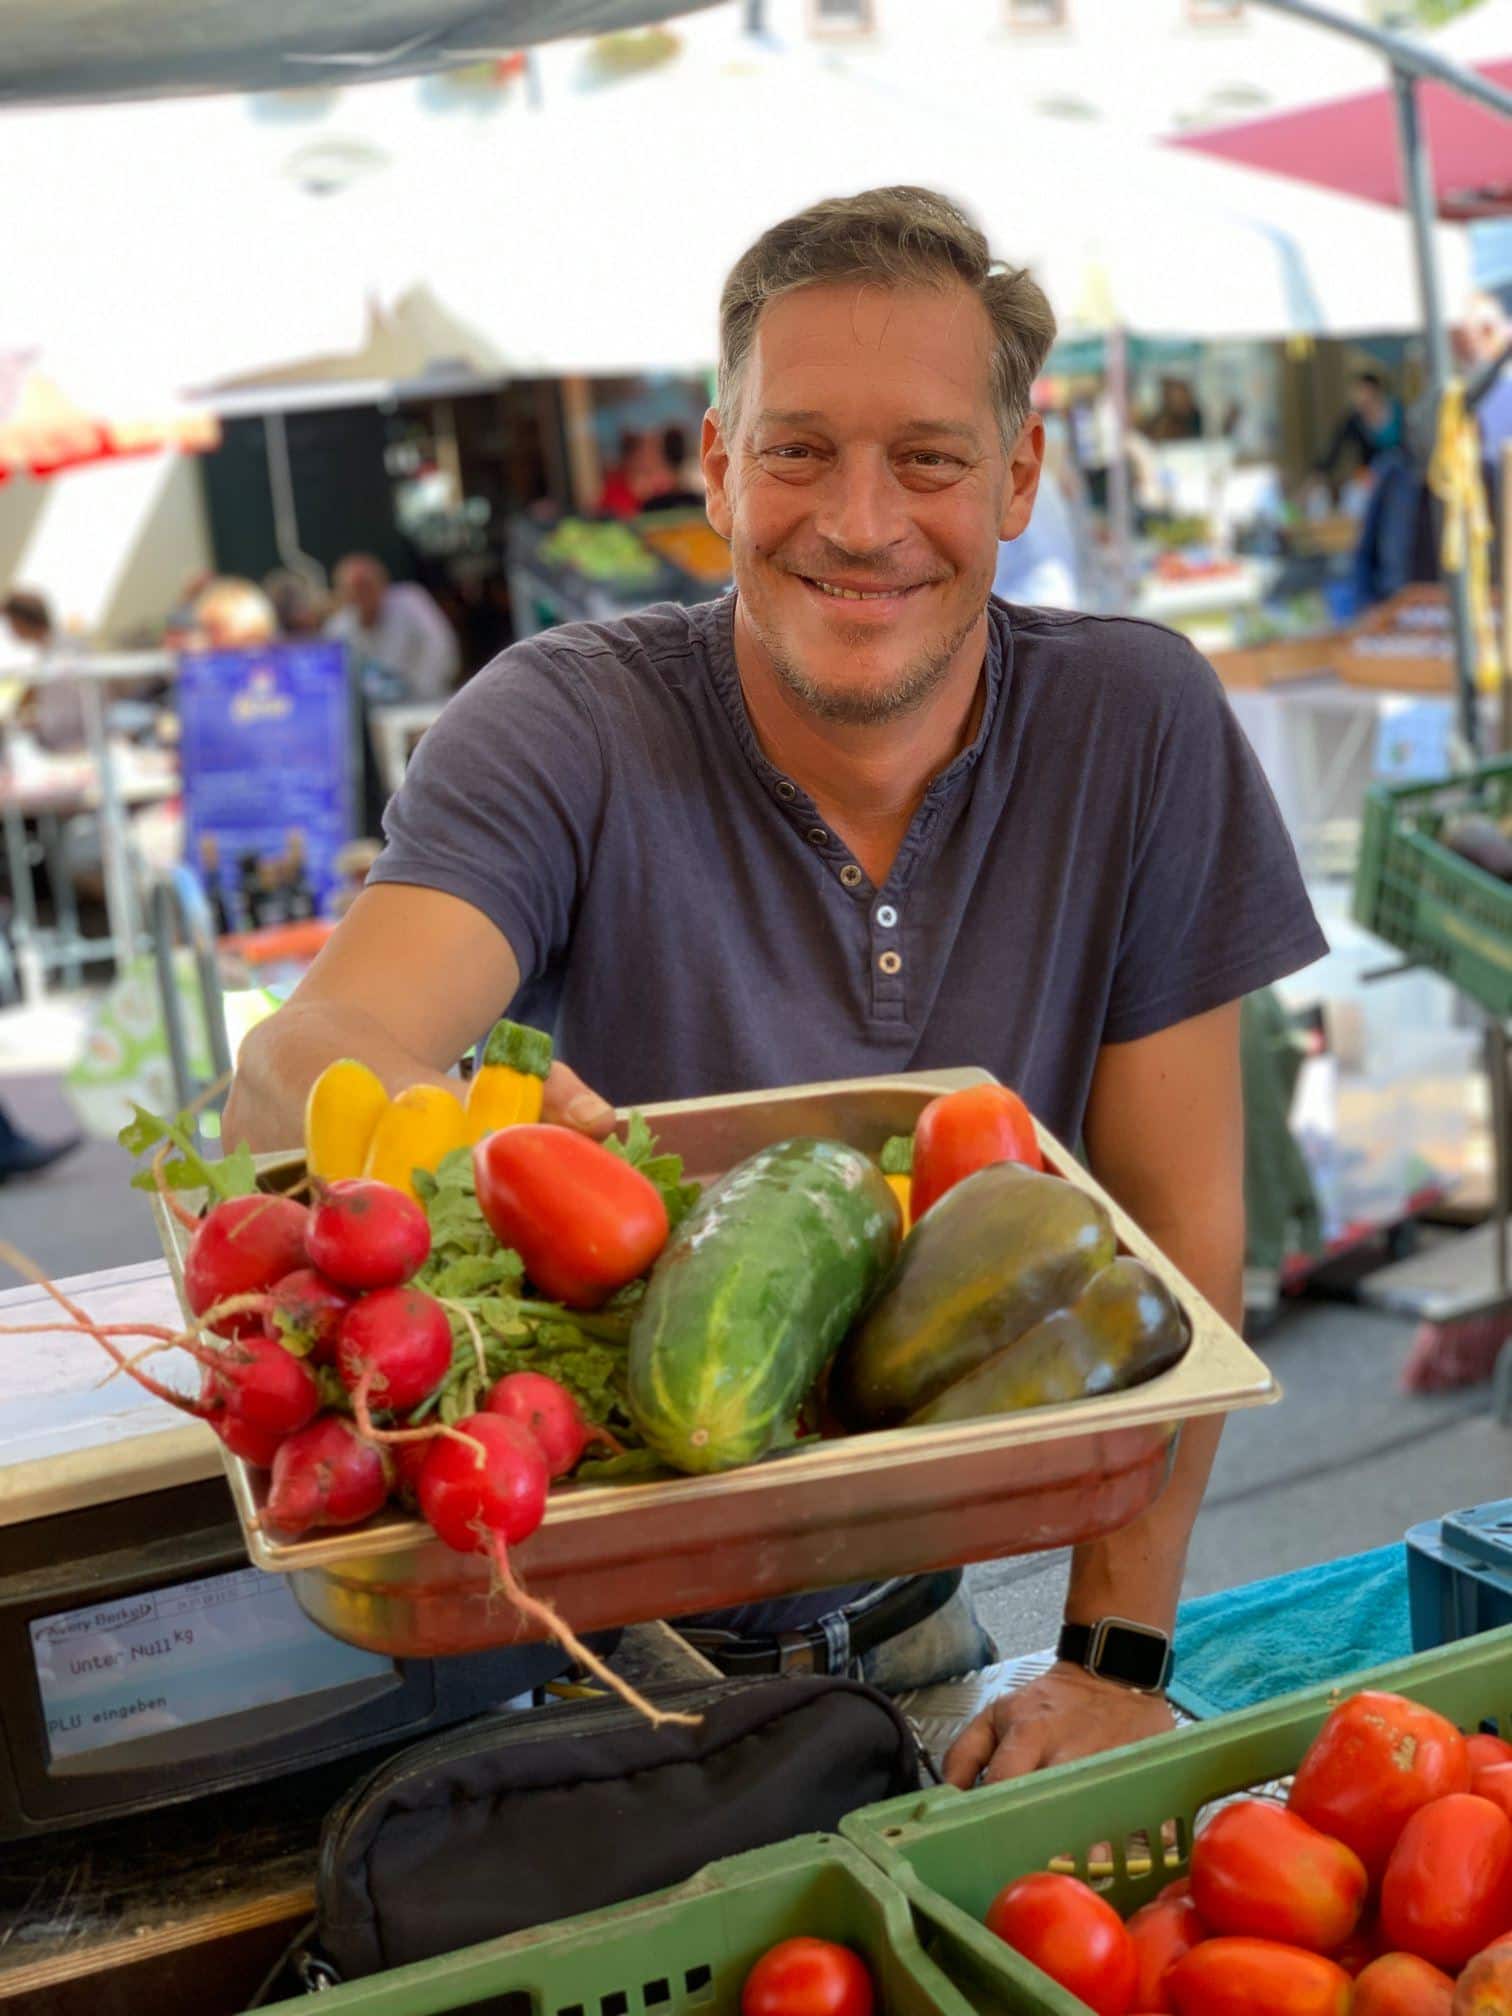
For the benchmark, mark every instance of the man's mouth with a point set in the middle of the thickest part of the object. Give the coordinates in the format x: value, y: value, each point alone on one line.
x: 845, y: 592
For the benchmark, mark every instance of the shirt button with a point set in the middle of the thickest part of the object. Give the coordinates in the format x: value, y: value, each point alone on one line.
x: 817, y: 835
x: 890, y: 963
x: 787, y: 792
x: 850, y: 875
x: 887, y: 916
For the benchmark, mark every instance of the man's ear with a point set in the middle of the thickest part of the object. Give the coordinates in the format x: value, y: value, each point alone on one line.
x: 714, y: 456
x: 1025, y: 461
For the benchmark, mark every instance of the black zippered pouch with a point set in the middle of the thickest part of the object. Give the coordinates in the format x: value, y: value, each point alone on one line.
x: 517, y: 1819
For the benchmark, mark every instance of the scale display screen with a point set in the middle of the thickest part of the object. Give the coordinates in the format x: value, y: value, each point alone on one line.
x: 145, y: 1665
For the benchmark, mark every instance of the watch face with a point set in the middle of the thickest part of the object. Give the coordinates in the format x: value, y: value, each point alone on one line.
x: 1137, y: 1658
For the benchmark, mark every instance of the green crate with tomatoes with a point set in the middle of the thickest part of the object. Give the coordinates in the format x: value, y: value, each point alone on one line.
x: 717, y: 1945
x: 1343, y: 1851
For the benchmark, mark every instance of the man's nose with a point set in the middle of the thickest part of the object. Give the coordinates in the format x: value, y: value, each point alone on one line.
x: 861, y: 509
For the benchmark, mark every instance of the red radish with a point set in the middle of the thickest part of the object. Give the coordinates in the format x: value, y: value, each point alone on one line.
x: 505, y: 1492
x: 257, y: 1446
x: 395, y: 1347
x: 261, y: 1382
x: 409, y: 1460
x: 551, y: 1414
x: 366, y: 1235
x: 242, y: 1247
x: 483, y: 1489
x: 326, y: 1475
x: 306, y: 1311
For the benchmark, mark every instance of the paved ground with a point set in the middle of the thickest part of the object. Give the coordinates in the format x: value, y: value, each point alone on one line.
x: 1344, y: 1462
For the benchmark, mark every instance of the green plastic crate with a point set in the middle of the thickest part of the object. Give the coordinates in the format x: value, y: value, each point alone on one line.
x: 951, y: 1852
x: 1441, y: 911
x: 681, y: 1952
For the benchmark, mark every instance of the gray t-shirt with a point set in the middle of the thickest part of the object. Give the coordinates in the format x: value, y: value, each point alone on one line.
x: 1105, y: 860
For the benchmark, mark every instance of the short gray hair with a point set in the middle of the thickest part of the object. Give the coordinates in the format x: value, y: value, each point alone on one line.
x: 898, y: 237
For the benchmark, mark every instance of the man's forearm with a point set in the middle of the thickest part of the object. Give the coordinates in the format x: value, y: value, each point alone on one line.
x: 1137, y: 1571
x: 282, y: 1057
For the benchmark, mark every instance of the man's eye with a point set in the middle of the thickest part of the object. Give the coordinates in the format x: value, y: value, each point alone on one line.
x: 789, y: 451
x: 931, y: 458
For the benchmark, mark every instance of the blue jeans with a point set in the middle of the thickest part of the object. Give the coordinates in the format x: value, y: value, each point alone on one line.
x: 942, y: 1647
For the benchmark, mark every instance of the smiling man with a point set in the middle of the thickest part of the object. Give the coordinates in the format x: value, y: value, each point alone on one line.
x: 858, y: 818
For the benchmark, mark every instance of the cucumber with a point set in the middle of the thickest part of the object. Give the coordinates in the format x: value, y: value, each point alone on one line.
x: 751, y: 1297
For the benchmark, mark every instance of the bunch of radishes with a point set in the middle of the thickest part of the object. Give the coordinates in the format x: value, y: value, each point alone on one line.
x: 290, y: 1288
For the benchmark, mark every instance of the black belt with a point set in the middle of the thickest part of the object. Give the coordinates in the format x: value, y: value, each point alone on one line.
x: 830, y: 1644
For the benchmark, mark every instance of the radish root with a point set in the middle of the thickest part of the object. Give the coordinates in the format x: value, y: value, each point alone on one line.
x: 431, y: 1432
x: 542, y: 1614
x: 29, y: 1271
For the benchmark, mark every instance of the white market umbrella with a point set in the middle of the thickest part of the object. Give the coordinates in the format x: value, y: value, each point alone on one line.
x: 595, y: 235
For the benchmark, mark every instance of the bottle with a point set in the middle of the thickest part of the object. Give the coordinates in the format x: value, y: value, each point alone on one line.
x: 299, y: 896
x: 210, y: 876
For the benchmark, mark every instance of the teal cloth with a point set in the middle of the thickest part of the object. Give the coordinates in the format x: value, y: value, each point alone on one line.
x: 1267, y: 1638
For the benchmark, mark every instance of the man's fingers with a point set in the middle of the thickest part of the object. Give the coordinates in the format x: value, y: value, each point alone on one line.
x: 571, y: 1103
x: 971, y: 1750
x: 1020, y: 1751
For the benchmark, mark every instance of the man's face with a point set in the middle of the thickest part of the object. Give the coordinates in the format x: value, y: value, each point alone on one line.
x: 865, y: 490
x: 360, y: 588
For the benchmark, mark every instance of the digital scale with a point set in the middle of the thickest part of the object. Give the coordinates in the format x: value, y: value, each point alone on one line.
x: 143, y: 1661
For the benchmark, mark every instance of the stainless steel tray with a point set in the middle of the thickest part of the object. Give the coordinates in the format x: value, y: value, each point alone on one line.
x: 870, y: 1506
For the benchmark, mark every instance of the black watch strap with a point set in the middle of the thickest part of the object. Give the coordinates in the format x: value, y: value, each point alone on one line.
x: 1131, y: 1655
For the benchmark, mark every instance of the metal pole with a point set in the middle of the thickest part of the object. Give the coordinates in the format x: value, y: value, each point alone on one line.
x: 285, y: 512
x: 1402, y: 52
x: 1417, y: 179
x: 115, y: 842
x: 1120, y: 499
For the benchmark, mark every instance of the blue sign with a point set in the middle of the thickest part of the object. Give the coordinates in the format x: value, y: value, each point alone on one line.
x: 268, y: 747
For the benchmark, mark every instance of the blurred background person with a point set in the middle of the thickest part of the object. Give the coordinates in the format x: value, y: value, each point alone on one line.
x: 231, y: 614
x: 1043, y: 566
x: 302, y: 606
x: 1373, y: 426
x: 53, y: 708
x: 678, y: 480
x: 1178, y: 417
x: 395, y: 625
x: 1488, y: 392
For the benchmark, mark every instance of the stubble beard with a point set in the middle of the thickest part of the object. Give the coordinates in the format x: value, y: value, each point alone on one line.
x: 852, y: 707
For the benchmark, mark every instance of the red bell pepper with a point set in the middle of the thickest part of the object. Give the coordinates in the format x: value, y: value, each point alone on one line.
x: 584, y: 1222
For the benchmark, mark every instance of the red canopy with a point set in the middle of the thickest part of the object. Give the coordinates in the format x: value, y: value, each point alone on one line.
x: 42, y: 430
x: 1350, y: 144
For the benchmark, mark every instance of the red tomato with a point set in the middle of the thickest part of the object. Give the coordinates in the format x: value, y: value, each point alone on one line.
x: 1399, y: 1984
x: 1375, y: 1761
x: 1259, y: 1870
x: 1483, y: 1750
x: 583, y: 1221
x: 1448, y: 1886
x: 807, y: 1977
x: 1245, y: 1977
x: 1180, y: 1887
x: 1071, y: 1934
x: 1163, y: 1933
x: 1494, y: 1782
x: 966, y: 1131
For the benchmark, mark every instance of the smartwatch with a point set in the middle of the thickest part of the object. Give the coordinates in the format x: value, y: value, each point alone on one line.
x: 1131, y: 1655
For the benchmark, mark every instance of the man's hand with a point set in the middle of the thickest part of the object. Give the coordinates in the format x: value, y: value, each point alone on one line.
x: 1067, y: 1713
x: 571, y: 1103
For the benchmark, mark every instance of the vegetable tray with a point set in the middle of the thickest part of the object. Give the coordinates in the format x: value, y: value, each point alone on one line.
x: 950, y: 1853
x: 852, y: 1510
x: 1444, y: 912
x: 679, y: 1951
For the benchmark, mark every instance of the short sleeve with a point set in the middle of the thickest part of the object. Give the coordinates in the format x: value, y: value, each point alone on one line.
x: 502, y: 800
x: 1216, y: 905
